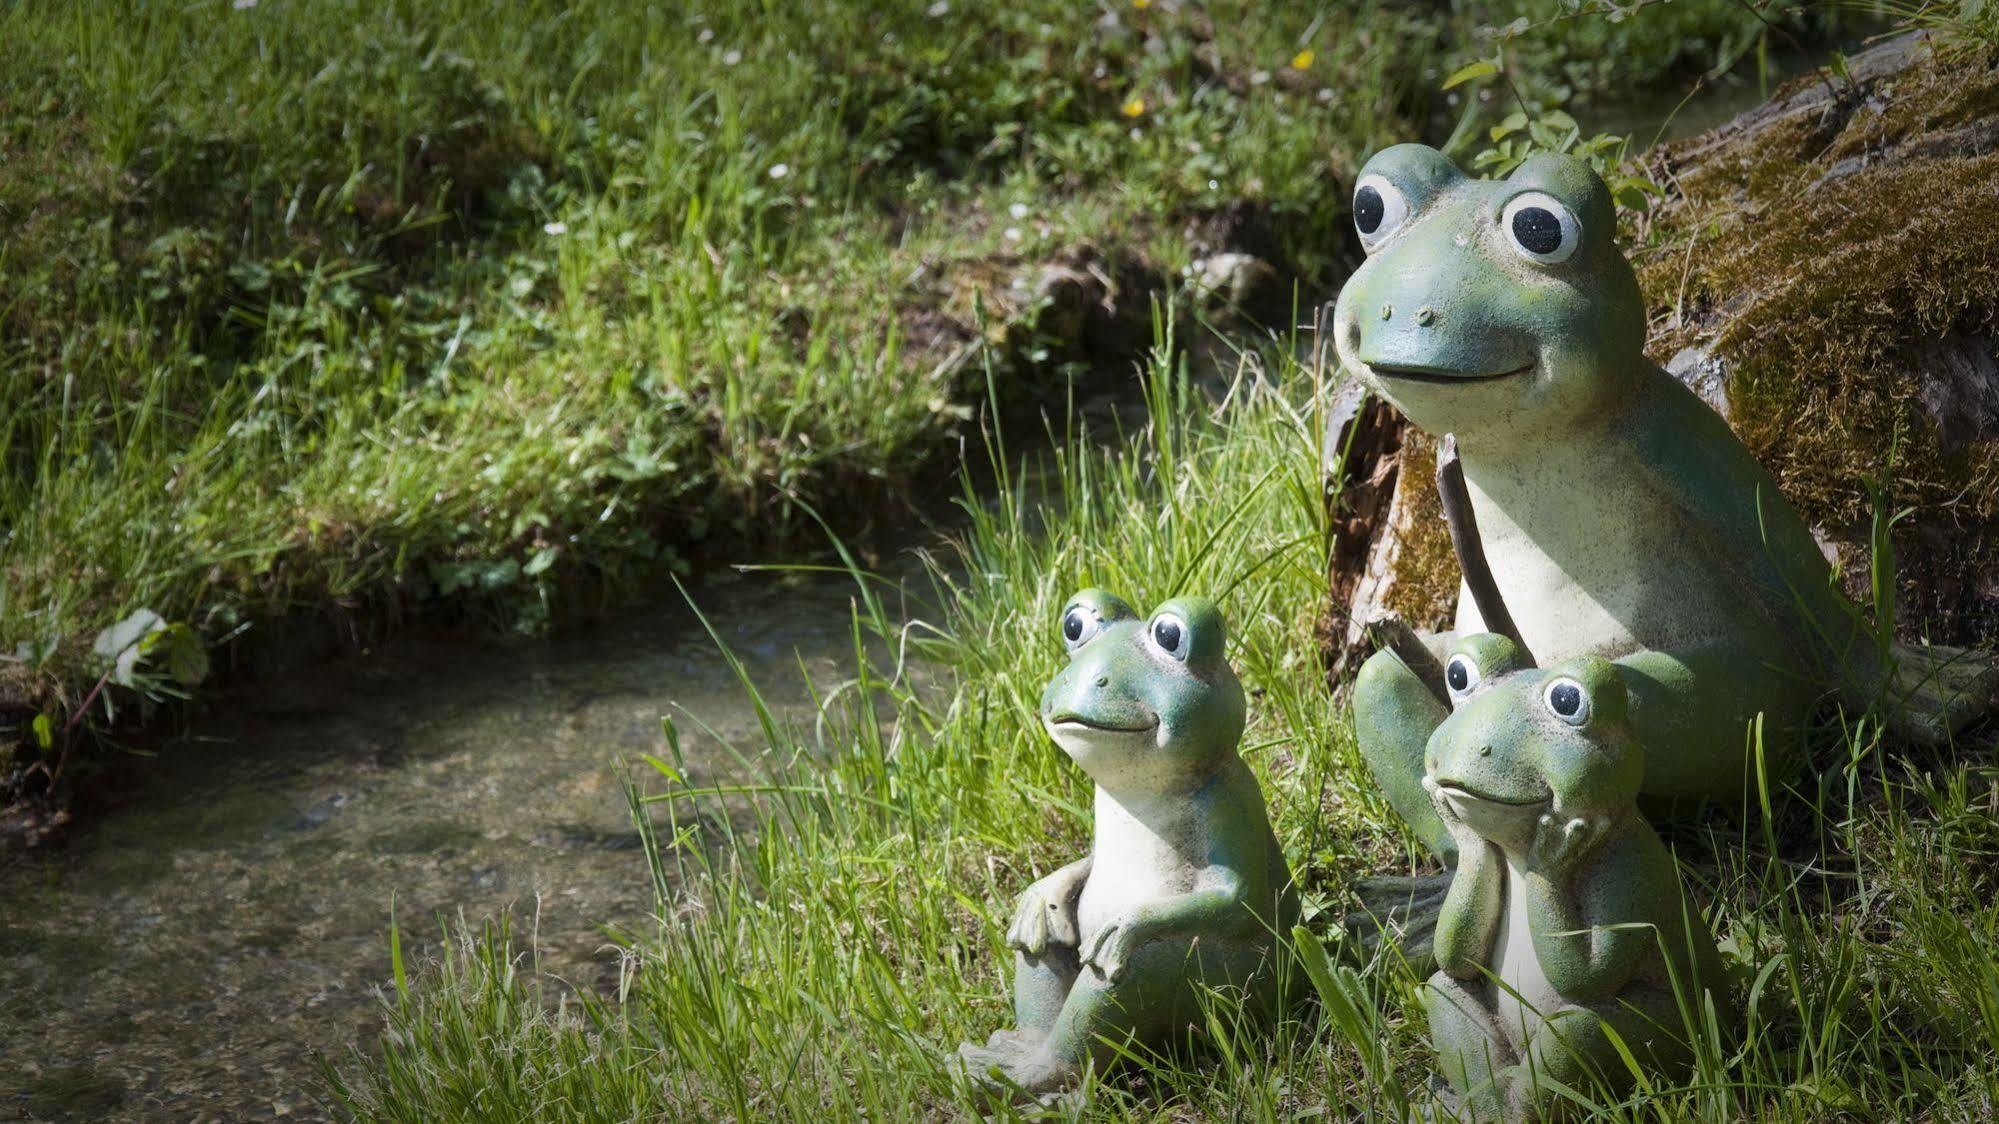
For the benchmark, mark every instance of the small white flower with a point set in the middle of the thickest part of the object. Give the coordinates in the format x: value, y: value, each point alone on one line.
x: 555, y: 228
x: 779, y: 171
x: 1213, y: 186
x: 1011, y: 234
x: 731, y: 57
x: 939, y: 9
x: 1018, y: 210
x: 243, y: 5
x: 1259, y: 77
x: 1326, y: 93
x: 707, y: 35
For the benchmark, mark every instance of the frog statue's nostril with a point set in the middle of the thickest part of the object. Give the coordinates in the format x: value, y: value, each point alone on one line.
x: 1426, y: 316
x: 1485, y: 751
x: 1103, y: 680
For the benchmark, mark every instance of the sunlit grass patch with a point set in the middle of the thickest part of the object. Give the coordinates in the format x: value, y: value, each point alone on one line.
x: 831, y: 931
x: 355, y: 311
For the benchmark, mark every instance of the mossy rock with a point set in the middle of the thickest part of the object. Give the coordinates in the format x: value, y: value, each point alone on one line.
x: 1825, y: 268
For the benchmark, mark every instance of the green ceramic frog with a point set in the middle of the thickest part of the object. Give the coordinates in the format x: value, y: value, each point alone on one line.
x: 1565, y: 914
x: 1620, y: 515
x: 1185, y: 886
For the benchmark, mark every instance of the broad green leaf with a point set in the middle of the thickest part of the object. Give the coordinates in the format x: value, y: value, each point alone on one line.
x: 1471, y: 72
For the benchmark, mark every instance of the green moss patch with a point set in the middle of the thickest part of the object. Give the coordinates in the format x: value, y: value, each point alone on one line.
x: 1826, y: 249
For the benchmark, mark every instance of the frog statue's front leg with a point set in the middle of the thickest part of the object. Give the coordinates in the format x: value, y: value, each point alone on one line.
x: 1472, y: 1047
x: 1395, y: 711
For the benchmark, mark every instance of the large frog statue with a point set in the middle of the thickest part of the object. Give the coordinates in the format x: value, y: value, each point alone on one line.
x: 1185, y: 885
x: 1621, y: 516
x: 1565, y: 915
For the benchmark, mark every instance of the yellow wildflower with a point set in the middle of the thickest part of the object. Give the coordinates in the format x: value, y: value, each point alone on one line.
x: 1133, y: 108
x: 1141, y: 5
x: 1302, y: 60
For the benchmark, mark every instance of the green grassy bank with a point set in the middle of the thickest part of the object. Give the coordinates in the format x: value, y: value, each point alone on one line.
x: 354, y: 311
x: 367, y: 309
x: 828, y: 935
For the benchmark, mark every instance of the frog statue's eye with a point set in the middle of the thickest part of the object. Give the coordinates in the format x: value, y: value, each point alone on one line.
x: 1169, y: 635
x: 1541, y: 227
x: 1079, y: 626
x: 1461, y: 675
x: 1379, y: 209
x: 1567, y: 701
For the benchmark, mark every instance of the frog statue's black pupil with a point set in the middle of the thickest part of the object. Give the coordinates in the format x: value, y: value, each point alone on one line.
x: 1072, y: 627
x: 1367, y: 210
x: 1457, y: 676
x: 1167, y: 632
x: 1567, y: 699
x: 1537, y: 229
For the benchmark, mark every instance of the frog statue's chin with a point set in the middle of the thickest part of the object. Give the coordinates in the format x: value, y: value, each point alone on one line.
x: 1099, y: 747
x: 1507, y: 819
x: 1442, y: 400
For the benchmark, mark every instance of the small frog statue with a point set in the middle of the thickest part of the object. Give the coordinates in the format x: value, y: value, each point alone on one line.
x: 1565, y: 916
x: 1185, y: 887
x: 1622, y: 517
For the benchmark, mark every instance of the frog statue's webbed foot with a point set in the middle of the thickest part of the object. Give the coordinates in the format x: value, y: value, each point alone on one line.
x: 1015, y: 1063
x: 1399, y: 911
x: 1937, y: 691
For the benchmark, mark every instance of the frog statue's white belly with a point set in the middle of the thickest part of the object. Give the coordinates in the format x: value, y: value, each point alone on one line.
x: 1144, y: 851
x: 1602, y: 564
x: 1531, y: 998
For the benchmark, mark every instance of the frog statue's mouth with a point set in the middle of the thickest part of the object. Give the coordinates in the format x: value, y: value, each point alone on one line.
x: 1441, y: 376
x: 1075, y: 723
x: 1089, y: 739
x: 1507, y: 820
x: 1465, y: 798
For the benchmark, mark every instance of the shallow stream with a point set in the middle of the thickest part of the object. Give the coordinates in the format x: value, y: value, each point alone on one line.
x: 190, y: 953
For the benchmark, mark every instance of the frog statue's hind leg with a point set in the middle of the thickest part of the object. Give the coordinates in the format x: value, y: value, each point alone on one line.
x: 1472, y: 1053
x: 1042, y: 983
x: 1688, y: 703
x: 1572, y: 1049
x: 1157, y: 998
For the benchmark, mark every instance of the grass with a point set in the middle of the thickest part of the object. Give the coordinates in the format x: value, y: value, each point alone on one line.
x: 825, y: 940
x: 351, y: 312
x: 372, y: 310
x: 369, y: 310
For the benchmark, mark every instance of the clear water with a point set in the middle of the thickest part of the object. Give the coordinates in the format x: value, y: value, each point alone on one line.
x: 193, y: 950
